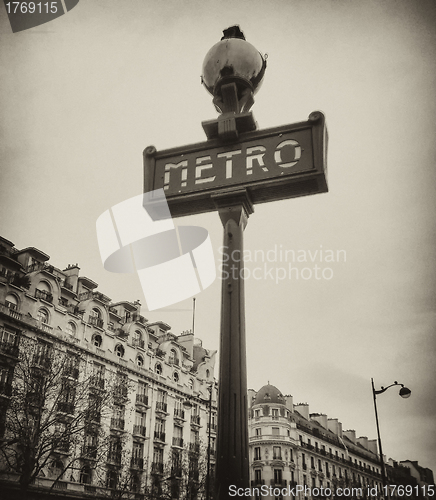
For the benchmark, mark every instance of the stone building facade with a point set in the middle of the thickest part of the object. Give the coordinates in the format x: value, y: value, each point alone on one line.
x: 165, y: 382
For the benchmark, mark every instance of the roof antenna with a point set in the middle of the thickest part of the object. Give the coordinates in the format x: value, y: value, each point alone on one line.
x: 193, y: 315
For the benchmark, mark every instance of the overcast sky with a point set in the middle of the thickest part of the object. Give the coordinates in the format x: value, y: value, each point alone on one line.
x: 83, y: 95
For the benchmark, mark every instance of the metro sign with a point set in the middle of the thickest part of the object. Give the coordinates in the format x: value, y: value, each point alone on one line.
x: 271, y: 164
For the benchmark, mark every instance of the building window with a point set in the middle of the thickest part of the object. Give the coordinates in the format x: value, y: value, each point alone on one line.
x: 257, y: 453
x: 173, y: 358
x: 139, y: 360
x: 256, y: 413
x: 277, y: 453
x: 11, y: 302
x: 175, y: 377
x: 119, y: 350
x: 97, y: 340
x: 275, y: 413
x: 56, y: 469
x: 158, y: 368
x: 112, y: 479
x: 277, y: 476
x: 257, y: 476
x: 71, y: 329
x: 43, y: 316
x: 85, y: 475
x: 137, y: 339
x: 191, y: 383
x: 276, y: 431
x: 258, y: 431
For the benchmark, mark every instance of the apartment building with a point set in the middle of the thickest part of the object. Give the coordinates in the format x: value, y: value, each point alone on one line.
x: 159, y: 387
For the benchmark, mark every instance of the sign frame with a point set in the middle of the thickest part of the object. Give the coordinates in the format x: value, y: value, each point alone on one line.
x: 293, y: 183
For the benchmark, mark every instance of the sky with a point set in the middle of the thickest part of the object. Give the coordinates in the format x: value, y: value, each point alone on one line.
x: 82, y: 96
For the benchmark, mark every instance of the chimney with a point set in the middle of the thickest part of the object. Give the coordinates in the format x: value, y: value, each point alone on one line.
x: 351, y: 435
x: 72, y: 274
x: 251, y: 397
x: 289, y: 403
x: 320, y: 418
x: 363, y: 441
x: 335, y: 426
x: 303, y: 410
x: 187, y: 341
x: 372, y: 446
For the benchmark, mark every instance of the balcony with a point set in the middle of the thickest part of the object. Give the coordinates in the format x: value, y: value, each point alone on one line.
x: 157, y: 467
x: 142, y: 399
x: 161, y: 406
x: 211, y: 427
x: 137, y: 463
x: 44, y: 295
x: 159, y: 436
x: 65, y: 407
x: 98, y: 322
x: 97, y: 382
x: 139, y: 430
x: 117, y: 424
x: 89, y: 451
x: 9, y: 348
x: 195, y: 419
x: 71, y: 372
x: 194, y: 447
x: 11, y: 311
x: 179, y: 413
x: 121, y: 391
x: 278, y: 482
x: 139, y: 343
x: 5, y: 389
x: 178, y: 441
x: 63, y: 446
x: 257, y: 482
x: 114, y: 457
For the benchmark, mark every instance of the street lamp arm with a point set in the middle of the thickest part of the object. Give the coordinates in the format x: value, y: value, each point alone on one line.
x: 383, y: 389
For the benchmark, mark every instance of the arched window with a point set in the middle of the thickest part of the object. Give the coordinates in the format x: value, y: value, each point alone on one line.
x: 95, y: 317
x: 97, y: 340
x: 137, y: 339
x: 176, y: 377
x: 43, y: 291
x: 158, y: 368
x: 11, y: 301
x: 112, y: 479
x: 56, y: 469
x: 191, y: 383
x: 207, y: 373
x: 119, y: 350
x: 85, y: 475
x: 95, y: 313
x: 139, y: 360
x: 43, y: 316
x: 71, y: 328
x: 173, y: 357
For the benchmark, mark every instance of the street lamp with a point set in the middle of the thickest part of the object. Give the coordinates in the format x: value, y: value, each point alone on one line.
x: 188, y: 405
x: 404, y: 393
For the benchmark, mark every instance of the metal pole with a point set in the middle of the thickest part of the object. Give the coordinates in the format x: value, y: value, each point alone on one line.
x: 208, y: 445
x: 382, y: 464
x: 232, y: 466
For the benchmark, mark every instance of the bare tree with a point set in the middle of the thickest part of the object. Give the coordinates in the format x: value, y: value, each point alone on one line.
x: 53, y: 420
x: 183, y: 477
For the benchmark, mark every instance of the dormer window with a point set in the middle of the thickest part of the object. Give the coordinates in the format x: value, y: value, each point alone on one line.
x: 173, y: 358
